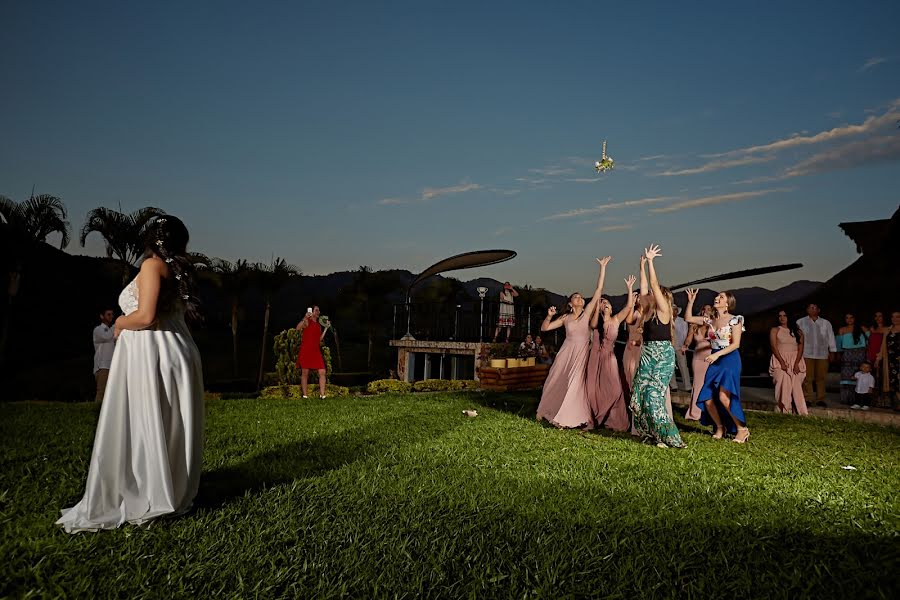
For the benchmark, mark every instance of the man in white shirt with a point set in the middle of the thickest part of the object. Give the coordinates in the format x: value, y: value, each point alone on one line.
x: 681, y: 331
x: 818, y: 348
x: 104, y: 346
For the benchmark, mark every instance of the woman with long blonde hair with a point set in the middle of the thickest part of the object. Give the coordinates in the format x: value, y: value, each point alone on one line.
x: 651, y: 380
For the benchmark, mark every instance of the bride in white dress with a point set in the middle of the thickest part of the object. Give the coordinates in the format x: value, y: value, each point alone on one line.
x: 149, y: 443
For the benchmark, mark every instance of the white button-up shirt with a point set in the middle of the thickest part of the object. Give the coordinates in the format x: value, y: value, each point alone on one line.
x: 104, y: 346
x: 818, y: 337
x: 681, y: 331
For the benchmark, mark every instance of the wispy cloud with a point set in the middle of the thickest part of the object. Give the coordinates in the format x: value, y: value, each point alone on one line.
x: 873, y: 62
x: 600, y: 208
x: 716, y: 165
x: 428, y: 194
x: 585, y: 179
x: 871, y: 125
x: 876, y: 150
x: 552, y: 171
x: 718, y: 199
x: 609, y: 228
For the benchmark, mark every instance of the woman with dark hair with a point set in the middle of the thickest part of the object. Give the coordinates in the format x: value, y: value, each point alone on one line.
x: 605, y: 394
x: 787, y: 367
x: 651, y: 380
x: 310, y: 354
x: 720, y: 397
x: 852, y: 343
x: 564, y: 399
x: 149, y: 443
x: 507, y: 310
x: 876, y: 336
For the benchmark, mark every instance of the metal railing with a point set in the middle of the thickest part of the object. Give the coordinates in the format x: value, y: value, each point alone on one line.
x: 468, y: 321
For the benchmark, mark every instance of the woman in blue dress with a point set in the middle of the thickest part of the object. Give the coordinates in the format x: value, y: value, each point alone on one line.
x: 720, y: 397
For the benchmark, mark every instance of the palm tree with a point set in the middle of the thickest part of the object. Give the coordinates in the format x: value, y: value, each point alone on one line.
x: 123, y: 233
x: 370, y: 289
x: 27, y: 223
x: 233, y: 278
x: 270, y: 279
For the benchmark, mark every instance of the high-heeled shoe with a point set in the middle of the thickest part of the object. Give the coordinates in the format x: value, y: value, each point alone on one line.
x: 742, y: 440
x: 719, y: 434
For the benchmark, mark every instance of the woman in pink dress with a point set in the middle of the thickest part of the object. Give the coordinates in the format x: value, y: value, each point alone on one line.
x: 787, y: 367
x: 564, y: 400
x: 698, y: 335
x: 605, y: 394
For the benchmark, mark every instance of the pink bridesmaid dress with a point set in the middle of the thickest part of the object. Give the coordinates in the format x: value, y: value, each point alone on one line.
x: 605, y: 394
x: 699, y: 364
x: 564, y: 401
x: 788, y: 385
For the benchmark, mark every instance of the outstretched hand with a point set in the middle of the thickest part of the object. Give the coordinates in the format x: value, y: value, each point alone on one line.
x: 551, y: 311
x: 652, y: 252
x: 691, y: 294
x: 604, y: 261
x: 629, y: 281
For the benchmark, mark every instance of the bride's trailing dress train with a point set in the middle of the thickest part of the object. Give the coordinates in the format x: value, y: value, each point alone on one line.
x: 148, y: 447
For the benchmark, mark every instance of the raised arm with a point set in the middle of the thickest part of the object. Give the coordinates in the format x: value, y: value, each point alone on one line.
x: 663, y: 310
x: 644, y: 289
x: 595, y: 317
x: 302, y: 324
x: 595, y: 299
x: 630, y: 299
x: 325, y: 330
x: 549, y: 324
x: 689, y: 311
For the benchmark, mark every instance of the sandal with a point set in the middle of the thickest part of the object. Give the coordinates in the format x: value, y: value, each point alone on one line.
x: 742, y: 440
x: 719, y: 434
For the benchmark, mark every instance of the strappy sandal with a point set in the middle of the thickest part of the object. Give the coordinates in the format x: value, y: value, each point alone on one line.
x: 738, y: 440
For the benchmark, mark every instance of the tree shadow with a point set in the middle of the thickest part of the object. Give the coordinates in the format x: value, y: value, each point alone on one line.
x: 310, y: 458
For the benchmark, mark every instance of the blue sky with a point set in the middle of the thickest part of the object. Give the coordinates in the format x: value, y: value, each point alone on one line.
x: 394, y: 134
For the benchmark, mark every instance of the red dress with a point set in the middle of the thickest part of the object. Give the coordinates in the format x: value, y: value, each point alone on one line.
x: 310, y: 356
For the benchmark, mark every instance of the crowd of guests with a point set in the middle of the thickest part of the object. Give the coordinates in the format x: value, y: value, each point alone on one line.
x: 803, y: 349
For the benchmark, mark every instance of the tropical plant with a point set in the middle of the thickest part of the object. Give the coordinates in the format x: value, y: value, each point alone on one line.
x: 270, y: 279
x: 369, y: 293
x: 294, y: 392
x: 232, y: 278
x: 27, y: 223
x: 381, y: 386
x: 123, y: 233
x: 287, y: 347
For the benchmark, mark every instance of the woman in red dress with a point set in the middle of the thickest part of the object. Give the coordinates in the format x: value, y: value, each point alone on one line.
x: 310, y: 356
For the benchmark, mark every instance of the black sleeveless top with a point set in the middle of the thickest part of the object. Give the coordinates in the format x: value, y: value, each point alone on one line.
x: 654, y: 331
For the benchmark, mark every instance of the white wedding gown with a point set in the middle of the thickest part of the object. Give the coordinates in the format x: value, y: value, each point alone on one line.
x: 149, y: 442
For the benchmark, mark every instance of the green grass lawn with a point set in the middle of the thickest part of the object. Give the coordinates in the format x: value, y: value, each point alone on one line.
x: 403, y: 496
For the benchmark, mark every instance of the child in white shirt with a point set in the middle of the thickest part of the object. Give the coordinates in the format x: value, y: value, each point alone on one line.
x: 865, y: 383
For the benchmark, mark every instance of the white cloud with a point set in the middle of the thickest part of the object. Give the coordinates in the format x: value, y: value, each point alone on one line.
x: 716, y: 165
x: 873, y: 62
x: 578, y: 212
x: 429, y: 194
x: 876, y: 150
x: 609, y: 228
x: 552, y: 171
x: 719, y: 199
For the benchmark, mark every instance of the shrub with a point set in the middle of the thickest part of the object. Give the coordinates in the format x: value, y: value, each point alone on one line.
x: 294, y: 392
x: 438, y: 385
x: 381, y: 386
x: 287, y: 347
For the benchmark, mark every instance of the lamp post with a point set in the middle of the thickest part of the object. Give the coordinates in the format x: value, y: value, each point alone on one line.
x: 482, y: 291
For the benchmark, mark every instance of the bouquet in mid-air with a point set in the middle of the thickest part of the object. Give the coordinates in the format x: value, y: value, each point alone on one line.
x: 605, y: 163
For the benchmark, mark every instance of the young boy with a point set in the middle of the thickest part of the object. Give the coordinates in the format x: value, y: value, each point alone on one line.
x: 865, y: 383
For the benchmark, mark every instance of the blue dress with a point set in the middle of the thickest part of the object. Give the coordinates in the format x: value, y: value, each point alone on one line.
x: 725, y: 374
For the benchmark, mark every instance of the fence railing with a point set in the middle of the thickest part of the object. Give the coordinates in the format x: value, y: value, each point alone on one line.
x: 464, y: 322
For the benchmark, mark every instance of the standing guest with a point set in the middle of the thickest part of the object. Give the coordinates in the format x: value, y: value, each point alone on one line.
x: 787, y: 367
x: 527, y: 348
x: 541, y: 351
x: 852, y: 342
x: 681, y: 331
x: 605, y: 394
x: 818, y: 349
x: 876, y: 335
x: 720, y: 398
x: 564, y: 400
x: 698, y: 334
x: 104, y: 346
x: 507, y: 311
x: 865, y: 383
x: 148, y: 447
x: 310, y: 355
x: 651, y: 380
x: 890, y: 361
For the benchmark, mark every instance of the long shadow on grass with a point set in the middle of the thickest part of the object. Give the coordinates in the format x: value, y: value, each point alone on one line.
x: 315, y: 456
